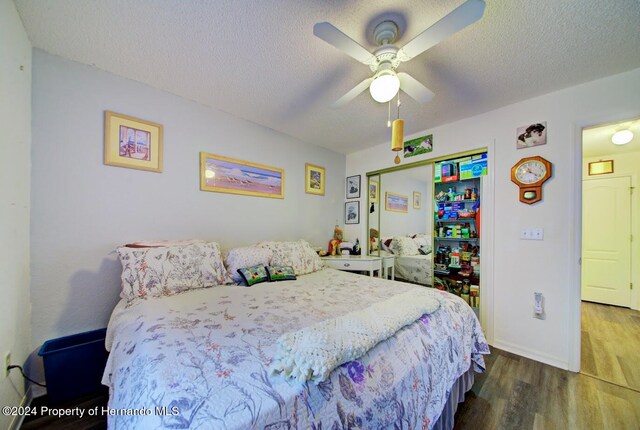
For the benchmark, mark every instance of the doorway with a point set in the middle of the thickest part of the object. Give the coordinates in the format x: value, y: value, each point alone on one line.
x: 610, y: 319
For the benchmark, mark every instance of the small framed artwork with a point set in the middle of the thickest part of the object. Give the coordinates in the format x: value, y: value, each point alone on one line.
x: 396, y: 202
x: 353, y: 187
x: 314, y: 179
x: 531, y: 135
x: 418, y: 146
x: 229, y: 175
x: 132, y: 142
x: 373, y: 191
x: 601, y: 167
x: 352, y: 213
x: 417, y: 199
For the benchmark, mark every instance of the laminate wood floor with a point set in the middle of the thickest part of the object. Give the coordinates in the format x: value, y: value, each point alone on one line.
x: 611, y: 344
x: 515, y: 393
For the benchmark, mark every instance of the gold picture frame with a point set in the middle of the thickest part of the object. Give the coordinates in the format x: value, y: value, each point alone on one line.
x: 417, y: 199
x: 221, y: 174
x: 131, y: 142
x: 602, y: 167
x: 373, y: 191
x: 396, y: 202
x: 314, y: 178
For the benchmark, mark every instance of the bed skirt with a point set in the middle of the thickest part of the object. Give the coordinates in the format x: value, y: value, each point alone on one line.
x: 463, y: 384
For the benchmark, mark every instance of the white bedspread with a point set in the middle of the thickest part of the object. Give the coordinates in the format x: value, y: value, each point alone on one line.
x: 415, y: 268
x: 311, y: 353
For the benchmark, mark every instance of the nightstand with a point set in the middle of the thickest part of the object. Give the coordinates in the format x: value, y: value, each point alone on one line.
x: 355, y: 263
x: 388, y: 267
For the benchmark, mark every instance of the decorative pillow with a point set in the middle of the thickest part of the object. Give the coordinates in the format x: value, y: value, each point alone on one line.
x: 385, y: 242
x: 164, y: 271
x: 402, y: 245
x: 421, y: 241
x: 281, y: 273
x: 425, y: 250
x: 247, y: 256
x: 254, y: 275
x: 297, y: 254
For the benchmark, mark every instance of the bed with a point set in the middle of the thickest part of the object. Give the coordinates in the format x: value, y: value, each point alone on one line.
x: 413, y: 260
x: 417, y: 269
x: 202, y: 359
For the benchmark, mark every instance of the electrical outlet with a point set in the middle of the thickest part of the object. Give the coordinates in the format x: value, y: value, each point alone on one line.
x: 7, y: 363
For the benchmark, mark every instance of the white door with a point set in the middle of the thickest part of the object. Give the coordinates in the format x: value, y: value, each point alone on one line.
x: 606, y: 241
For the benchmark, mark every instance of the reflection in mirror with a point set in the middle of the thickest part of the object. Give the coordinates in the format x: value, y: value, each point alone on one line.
x: 405, y: 222
x: 373, y: 209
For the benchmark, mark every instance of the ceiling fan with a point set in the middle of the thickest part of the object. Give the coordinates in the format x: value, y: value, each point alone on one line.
x: 383, y: 62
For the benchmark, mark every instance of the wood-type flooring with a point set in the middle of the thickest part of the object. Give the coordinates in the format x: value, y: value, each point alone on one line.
x: 611, y: 344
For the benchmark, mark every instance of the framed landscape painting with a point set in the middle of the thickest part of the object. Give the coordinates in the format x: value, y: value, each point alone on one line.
x: 314, y: 179
x: 417, y: 199
x: 229, y: 175
x: 396, y: 202
x: 132, y: 142
x: 373, y: 191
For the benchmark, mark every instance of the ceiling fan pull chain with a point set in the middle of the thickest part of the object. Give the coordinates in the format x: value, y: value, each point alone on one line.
x: 398, y: 105
x: 389, y: 115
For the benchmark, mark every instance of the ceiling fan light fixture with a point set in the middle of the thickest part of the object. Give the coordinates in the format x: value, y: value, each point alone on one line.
x: 622, y: 137
x: 385, y: 86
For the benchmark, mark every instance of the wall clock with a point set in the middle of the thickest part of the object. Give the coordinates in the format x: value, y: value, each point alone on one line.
x: 529, y: 174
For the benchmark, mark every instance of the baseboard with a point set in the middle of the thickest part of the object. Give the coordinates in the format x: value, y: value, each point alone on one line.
x: 532, y: 354
x: 16, y: 423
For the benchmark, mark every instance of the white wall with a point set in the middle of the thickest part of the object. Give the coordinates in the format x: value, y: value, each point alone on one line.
x: 15, y: 123
x: 82, y: 209
x: 522, y: 267
x: 415, y: 220
x: 627, y: 164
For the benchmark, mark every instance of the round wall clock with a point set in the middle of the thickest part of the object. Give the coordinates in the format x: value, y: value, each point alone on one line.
x: 529, y: 174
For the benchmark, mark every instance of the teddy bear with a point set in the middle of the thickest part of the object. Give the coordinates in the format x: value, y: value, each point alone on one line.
x: 334, y: 244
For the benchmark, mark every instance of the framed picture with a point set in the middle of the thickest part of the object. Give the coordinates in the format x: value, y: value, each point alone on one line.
x: 314, y: 179
x: 417, y: 199
x: 352, y: 213
x: 353, y: 187
x: 229, y: 175
x: 601, y: 167
x: 420, y: 145
x: 132, y: 142
x: 396, y: 202
x: 373, y: 191
x: 531, y: 135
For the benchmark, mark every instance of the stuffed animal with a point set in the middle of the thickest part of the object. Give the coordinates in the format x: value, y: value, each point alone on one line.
x: 334, y: 244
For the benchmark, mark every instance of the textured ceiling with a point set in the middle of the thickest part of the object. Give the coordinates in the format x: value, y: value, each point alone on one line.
x: 259, y: 60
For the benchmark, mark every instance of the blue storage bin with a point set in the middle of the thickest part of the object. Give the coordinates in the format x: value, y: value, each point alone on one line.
x: 73, y: 365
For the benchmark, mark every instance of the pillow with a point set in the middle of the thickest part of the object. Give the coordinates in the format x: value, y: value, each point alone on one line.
x: 164, y: 271
x: 247, y: 256
x: 297, y: 254
x: 425, y: 250
x: 280, y: 273
x: 254, y: 275
x: 385, y: 242
x: 162, y: 243
x: 402, y: 245
x: 421, y: 241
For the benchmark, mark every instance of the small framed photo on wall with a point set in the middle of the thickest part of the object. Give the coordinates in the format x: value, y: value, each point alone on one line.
x: 352, y: 213
x: 353, y: 187
x: 531, y: 135
x: 314, y: 179
x: 417, y: 199
x: 132, y: 142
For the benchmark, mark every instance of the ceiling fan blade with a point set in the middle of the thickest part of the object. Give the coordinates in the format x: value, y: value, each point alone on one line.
x: 466, y: 14
x: 338, y: 39
x: 414, y: 89
x: 352, y: 94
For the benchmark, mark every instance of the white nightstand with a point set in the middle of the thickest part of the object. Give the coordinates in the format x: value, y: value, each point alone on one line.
x: 388, y: 266
x: 356, y: 263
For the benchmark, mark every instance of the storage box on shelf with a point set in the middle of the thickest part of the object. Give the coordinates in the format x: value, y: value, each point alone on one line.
x: 457, y: 238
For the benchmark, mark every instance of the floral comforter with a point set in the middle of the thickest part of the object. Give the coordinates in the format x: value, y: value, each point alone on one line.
x: 414, y: 268
x: 201, y: 359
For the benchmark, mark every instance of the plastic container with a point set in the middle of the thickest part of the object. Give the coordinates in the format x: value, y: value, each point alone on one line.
x: 73, y: 365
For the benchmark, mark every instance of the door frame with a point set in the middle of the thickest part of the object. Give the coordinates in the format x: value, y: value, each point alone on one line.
x: 575, y: 239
